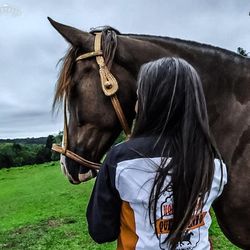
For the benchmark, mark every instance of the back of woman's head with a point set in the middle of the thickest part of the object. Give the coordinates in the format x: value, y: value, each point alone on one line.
x: 172, y: 108
x: 169, y: 90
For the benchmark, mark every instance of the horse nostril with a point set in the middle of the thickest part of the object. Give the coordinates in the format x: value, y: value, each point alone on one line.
x: 83, y: 170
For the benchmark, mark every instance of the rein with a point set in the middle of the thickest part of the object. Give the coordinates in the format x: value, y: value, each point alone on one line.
x: 110, y: 87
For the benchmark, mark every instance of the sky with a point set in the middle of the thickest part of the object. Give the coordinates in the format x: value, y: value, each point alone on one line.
x: 30, y: 48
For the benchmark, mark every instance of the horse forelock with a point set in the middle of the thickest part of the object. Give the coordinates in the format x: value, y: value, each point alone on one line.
x: 109, y: 44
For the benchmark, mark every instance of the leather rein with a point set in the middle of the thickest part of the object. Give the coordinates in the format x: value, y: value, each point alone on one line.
x: 110, y: 87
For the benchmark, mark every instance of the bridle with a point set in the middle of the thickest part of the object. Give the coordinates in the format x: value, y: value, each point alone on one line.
x: 110, y: 87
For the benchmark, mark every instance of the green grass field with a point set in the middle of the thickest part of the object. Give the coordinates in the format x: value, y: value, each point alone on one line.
x: 40, y: 209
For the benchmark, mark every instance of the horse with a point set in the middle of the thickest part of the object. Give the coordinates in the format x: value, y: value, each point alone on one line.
x: 93, y: 123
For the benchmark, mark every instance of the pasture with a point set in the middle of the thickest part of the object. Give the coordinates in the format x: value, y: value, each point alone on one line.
x: 41, y: 210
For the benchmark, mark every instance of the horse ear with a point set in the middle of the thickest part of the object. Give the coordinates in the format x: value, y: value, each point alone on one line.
x: 74, y: 36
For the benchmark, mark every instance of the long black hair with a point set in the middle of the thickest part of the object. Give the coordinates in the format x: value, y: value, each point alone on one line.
x: 172, y: 108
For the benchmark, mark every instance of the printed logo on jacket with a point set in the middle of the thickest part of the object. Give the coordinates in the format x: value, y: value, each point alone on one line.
x: 163, y: 225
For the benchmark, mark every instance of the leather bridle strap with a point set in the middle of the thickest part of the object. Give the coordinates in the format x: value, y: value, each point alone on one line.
x: 108, y: 82
x: 109, y: 87
x: 75, y: 157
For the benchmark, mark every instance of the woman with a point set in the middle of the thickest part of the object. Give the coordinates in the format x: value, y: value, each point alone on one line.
x: 155, y: 190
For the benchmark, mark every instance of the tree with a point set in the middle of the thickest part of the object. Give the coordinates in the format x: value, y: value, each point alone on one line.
x: 242, y: 51
x: 6, y: 161
x: 50, y: 140
x: 58, y: 140
x: 16, y: 147
x: 47, y: 150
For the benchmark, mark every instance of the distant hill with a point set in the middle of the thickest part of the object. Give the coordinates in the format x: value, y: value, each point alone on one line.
x: 39, y: 140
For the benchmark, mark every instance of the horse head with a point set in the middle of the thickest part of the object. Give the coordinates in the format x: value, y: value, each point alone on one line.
x: 92, y: 124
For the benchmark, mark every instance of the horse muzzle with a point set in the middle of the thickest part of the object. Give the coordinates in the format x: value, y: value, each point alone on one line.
x: 78, y: 176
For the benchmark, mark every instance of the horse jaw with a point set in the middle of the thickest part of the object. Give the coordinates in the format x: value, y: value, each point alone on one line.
x: 83, y: 177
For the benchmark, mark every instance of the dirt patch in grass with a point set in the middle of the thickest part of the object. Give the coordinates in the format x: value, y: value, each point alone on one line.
x: 58, y: 222
x: 28, y: 237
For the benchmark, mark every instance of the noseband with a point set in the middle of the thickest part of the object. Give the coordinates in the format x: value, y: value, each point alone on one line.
x: 109, y: 87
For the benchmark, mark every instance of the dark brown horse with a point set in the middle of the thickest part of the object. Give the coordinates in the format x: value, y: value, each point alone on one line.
x: 93, y: 125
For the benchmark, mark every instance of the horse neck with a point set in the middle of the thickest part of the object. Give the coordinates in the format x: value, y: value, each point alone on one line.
x: 209, y: 61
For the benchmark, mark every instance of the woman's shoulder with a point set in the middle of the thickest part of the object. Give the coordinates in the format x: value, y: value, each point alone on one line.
x: 125, y: 150
x: 140, y: 147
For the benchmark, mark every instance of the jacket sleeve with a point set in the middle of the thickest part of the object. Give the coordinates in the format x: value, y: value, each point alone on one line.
x: 103, y: 211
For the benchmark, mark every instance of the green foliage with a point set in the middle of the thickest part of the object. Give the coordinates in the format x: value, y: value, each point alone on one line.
x: 14, y: 154
x: 120, y: 138
x: 40, y: 209
x: 19, y: 152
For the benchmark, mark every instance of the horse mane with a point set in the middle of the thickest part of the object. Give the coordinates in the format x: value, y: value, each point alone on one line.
x: 158, y: 39
x: 64, y: 82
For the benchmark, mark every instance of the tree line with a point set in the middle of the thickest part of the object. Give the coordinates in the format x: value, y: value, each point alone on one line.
x: 19, y: 152
x: 37, y: 140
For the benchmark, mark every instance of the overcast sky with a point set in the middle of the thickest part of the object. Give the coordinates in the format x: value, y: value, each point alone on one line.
x: 30, y: 48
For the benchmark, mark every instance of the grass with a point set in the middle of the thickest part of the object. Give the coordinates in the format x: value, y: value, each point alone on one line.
x: 41, y: 210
